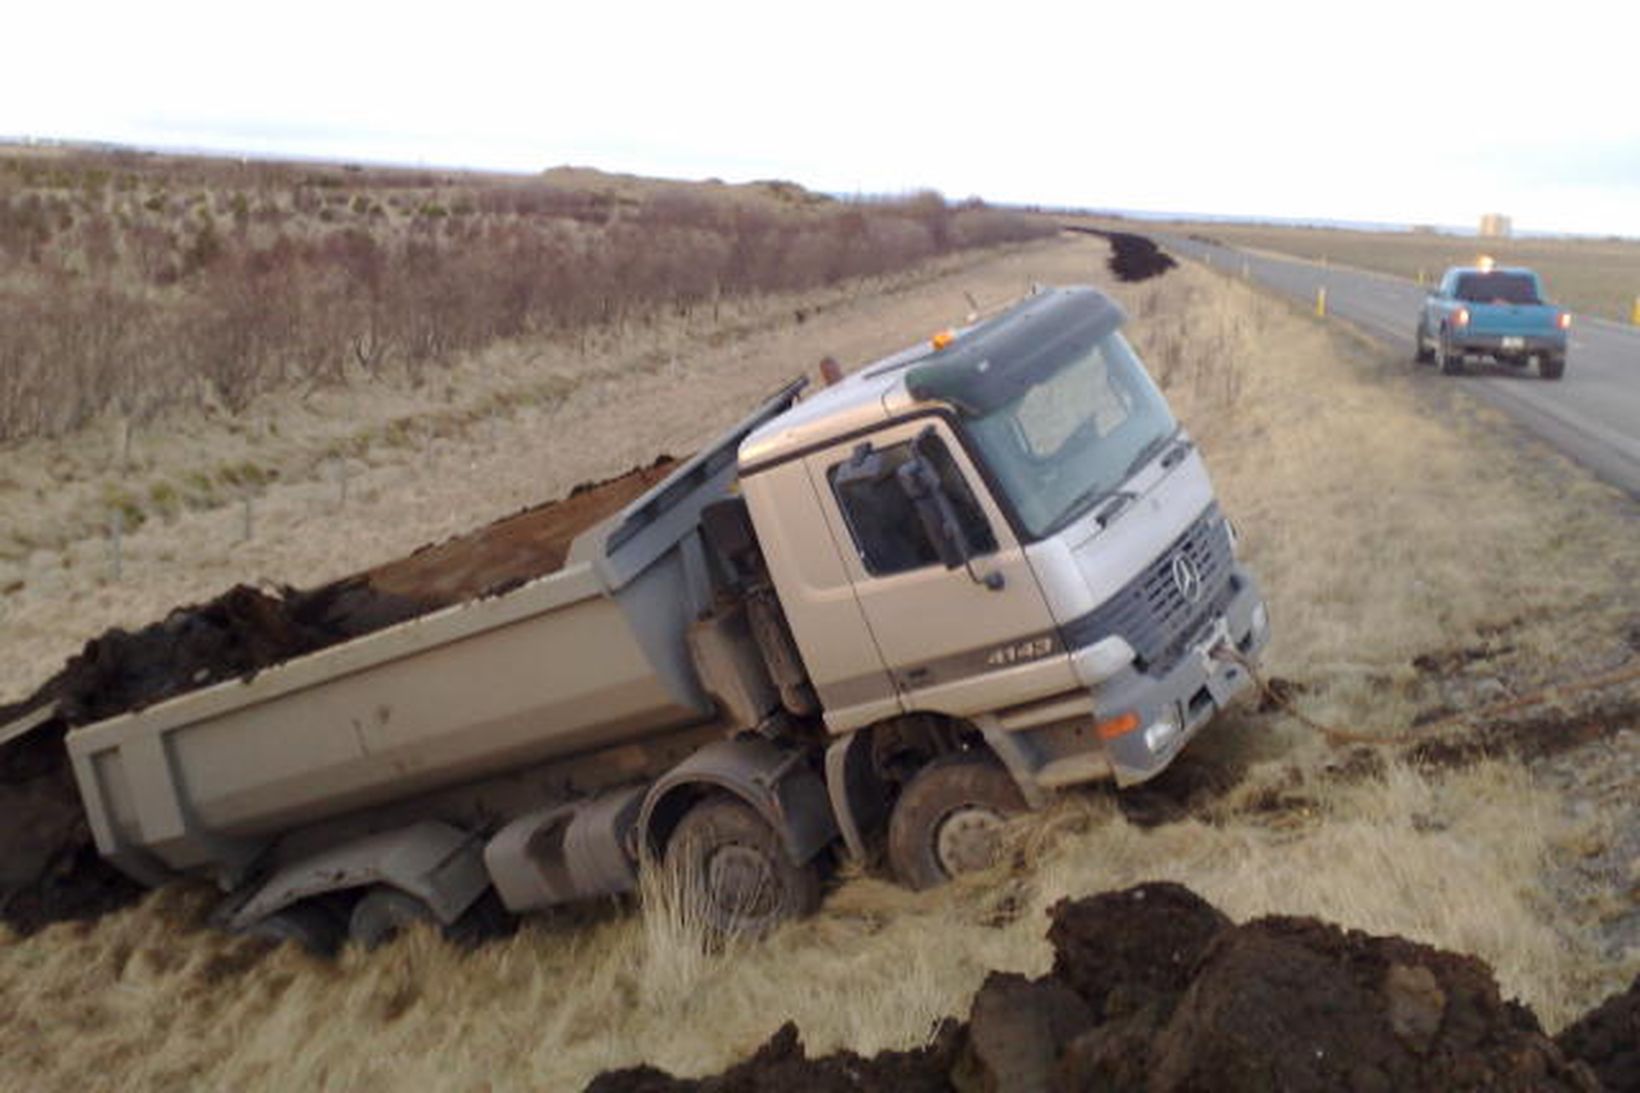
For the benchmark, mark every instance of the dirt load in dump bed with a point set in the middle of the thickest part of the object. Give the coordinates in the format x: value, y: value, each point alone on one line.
x: 1152, y: 988
x: 49, y: 868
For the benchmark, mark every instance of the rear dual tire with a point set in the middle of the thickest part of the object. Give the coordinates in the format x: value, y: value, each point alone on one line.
x: 309, y: 925
x: 735, y: 868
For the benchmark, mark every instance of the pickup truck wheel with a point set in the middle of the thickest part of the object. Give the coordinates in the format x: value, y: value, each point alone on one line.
x: 382, y: 913
x: 1552, y: 367
x: 728, y: 856
x: 1421, y: 352
x: 1450, y: 363
x: 308, y: 925
x: 949, y: 820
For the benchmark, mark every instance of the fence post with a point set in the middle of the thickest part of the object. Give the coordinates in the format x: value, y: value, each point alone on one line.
x: 249, y: 527
x: 116, y: 533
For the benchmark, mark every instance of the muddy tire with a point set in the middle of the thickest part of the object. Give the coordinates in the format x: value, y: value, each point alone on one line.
x: 312, y: 927
x: 1421, y: 353
x: 736, y: 869
x: 949, y: 819
x: 1552, y: 367
x: 382, y: 914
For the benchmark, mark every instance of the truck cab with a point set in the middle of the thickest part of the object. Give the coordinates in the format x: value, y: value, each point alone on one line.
x: 1001, y: 547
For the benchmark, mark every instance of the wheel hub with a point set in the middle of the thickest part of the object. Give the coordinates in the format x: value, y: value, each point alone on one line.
x: 741, y: 881
x: 968, y: 839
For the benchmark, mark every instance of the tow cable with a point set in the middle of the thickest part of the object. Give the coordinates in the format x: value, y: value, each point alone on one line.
x: 1627, y: 672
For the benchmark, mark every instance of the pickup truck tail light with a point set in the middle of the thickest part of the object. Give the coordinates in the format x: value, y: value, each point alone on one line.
x: 1564, y: 320
x: 1460, y: 317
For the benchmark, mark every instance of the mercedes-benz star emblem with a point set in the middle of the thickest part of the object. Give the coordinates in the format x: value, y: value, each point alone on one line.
x: 1188, y: 580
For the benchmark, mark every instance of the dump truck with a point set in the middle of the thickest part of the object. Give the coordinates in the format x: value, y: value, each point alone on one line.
x: 874, y: 622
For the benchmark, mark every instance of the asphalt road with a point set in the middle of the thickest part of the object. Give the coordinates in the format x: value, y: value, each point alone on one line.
x: 1593, y: 414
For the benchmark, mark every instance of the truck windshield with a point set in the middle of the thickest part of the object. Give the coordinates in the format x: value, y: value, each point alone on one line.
x: 1071, y: 437
x: 1497, y: 288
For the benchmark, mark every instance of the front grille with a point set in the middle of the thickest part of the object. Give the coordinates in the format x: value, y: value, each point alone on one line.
x: 1151, y: 612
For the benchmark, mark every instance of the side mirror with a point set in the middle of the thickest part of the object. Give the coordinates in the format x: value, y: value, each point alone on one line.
x: 864, y: 467
x: 934, y: 510
x: 921, y: 485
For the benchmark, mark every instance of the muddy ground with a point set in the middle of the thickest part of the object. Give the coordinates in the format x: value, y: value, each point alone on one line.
x: 49, y: 868
x: 1153, y: 988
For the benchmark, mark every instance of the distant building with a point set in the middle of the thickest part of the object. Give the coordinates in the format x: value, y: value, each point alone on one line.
x: 1495, y: 226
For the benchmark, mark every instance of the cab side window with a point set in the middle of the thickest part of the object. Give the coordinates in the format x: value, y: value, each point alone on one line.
x: 887, y: 532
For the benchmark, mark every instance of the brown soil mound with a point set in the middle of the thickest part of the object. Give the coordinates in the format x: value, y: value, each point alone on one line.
x: 1154, y: 989
x: 1132, y: 257
x: 1608, y: 1039
x: 780, y: 1066
x: 49, y: 869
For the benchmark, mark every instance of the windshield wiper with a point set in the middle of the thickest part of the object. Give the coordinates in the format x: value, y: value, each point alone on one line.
x: 1116, y: 501
x: 1095, y: 494
x: 1147, y: 453
x: 1098, y: 493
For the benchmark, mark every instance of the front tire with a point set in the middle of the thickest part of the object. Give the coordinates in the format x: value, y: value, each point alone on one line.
x: 1421, y: 353
x: 949, y: 818
x: 736, y: 866
x: 1450, y: 363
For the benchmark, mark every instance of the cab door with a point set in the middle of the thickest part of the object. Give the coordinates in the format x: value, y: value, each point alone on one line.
x: 961, y: 640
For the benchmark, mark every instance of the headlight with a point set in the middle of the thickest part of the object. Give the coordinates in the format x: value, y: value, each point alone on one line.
x: 1161, y: 733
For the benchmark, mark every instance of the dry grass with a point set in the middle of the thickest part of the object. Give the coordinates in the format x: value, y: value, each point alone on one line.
x: 1592, y: 276
x: 1383, y: 521
x: 1389, y: 518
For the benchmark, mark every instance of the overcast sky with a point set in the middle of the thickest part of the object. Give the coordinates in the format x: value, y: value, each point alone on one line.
x: 1425, y: 112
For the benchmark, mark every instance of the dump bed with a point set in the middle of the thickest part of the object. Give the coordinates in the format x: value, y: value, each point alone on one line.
x: 591, y: 655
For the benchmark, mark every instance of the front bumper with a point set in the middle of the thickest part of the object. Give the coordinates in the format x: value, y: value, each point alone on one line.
x: 1171, y: 708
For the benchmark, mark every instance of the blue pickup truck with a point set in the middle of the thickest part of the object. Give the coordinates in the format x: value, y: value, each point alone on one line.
x: 1492, y: 311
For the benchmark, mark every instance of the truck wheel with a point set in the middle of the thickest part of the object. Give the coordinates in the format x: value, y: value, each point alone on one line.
x: 735, y: 862
x: 308, y: 925
x: 1450, y: 363
x: 1421, y: 352
x: 382, y: 913
x: 949, y: 819
x: 1552, y: 367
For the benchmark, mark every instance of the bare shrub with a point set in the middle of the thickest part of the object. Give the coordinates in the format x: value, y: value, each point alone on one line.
x: 181, y: 279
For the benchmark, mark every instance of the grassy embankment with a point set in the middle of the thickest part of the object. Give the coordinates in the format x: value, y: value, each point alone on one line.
x: 1384, y: 528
